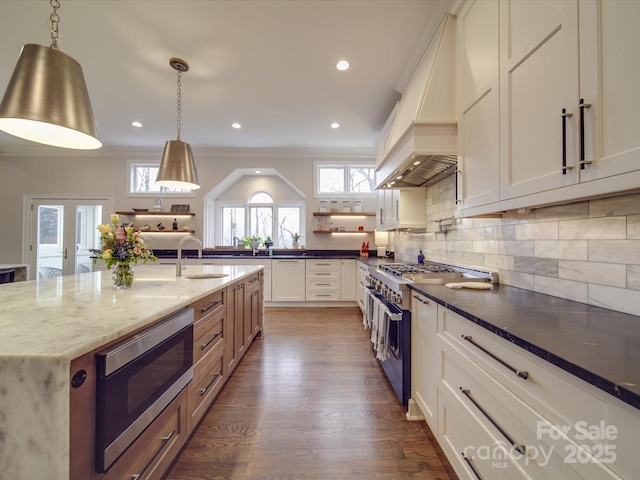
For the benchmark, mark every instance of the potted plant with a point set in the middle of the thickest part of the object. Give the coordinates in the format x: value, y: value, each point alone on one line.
x: 253, y: 242
x: 268, y: 242
x: 296, y: 240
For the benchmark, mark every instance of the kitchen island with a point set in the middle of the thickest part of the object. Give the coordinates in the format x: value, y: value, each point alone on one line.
x: 48, y: 323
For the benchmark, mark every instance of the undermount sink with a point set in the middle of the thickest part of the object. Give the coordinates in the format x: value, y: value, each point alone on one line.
x: 202, y: 276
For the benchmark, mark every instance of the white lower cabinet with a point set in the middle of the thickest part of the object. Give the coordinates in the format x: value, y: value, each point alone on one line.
x: 265, y: 262
x: 424, y: 357
x: 288, y: 280
x: 348, y: 281
x: 501, y: 412
x: 323, y: 280
x: 361, y: 279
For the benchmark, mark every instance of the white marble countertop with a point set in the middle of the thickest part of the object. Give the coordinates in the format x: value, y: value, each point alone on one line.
x: 47, y: 323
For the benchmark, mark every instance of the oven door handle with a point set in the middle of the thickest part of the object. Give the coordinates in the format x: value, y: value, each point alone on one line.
x: 395, y: 317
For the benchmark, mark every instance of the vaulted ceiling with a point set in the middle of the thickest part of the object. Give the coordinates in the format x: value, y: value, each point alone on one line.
x: 268, y: 65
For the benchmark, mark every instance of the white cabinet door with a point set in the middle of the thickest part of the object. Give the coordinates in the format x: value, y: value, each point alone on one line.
x: 539, y: 78
x: 363, y: 271
x: 348, y: 281
x: 479, y: 103
x: 288, y: 280
x: 425, y: 357
x: 402, y: 208
x: 609, y: 80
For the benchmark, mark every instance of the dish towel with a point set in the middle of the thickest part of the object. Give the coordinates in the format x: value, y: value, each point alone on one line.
x: 382, y: 350
x: 374, y: 321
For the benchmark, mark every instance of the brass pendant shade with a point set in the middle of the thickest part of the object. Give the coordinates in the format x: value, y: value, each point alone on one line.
x: 46, y: 101
x: 178, y: 168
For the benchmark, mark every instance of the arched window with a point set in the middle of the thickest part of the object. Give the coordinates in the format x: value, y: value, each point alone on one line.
x: 261, y: 217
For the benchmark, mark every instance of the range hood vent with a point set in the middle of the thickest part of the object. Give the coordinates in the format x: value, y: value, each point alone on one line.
x: 424, y: 170
x: 421, y: 148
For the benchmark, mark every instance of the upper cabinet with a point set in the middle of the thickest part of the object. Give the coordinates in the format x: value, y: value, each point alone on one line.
x: 478, y: 103
x: 400, y: 209
x: 568, y: 105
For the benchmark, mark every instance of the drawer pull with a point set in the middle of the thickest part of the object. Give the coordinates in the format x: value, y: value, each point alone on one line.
x: 155, y: 455
x: 521, y: 373
x: 472, y: 466
x: 253, y: 280
x: 519, y: 447
x: 205, y: 345
x: 215, y: 377
x: 583, y: 162
x: 564, y: 116
x: 425, y: 302
x: 202, y: 310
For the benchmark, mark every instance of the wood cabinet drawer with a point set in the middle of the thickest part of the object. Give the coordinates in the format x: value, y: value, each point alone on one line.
x: 152, y: 453
x: 547, y: 389
x: 207, y: 333
x: 208, y: 379
x: 206, y: 306
x: 252, y: 282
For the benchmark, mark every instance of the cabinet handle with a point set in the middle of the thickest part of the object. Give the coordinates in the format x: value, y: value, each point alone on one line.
x: 322, y: 295
x: 521, y: 373
x: 323, y: 264
x: 210, y: 306
x: 518, y: 446
x: 426, y: 302
x: 472, y: 466
x: 205, y: 345
x: 324, y: 284
x: 565, y: 167
x: 155, y: 455
x: 458, y: 200
x: 322, y: 273
x: 288, y: 261
x: 583, y: 162
x: 215, y: 377
x: 253, y: 280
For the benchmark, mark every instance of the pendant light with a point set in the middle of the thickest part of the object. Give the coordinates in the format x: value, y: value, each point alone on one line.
x: 46, y: 100
x: 177, y: 168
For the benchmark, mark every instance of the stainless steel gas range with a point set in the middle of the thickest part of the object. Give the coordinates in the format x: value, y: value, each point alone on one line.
x: 388, y: 301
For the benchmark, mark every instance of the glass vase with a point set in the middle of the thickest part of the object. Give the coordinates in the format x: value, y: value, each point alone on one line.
x: 123, y: 275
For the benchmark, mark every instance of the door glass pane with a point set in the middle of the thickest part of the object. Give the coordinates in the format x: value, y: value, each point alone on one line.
x: 88, y: 217
x: 288, y: 224
x: 50, y: 249
x: 261, y: 222
x: 233, y: 222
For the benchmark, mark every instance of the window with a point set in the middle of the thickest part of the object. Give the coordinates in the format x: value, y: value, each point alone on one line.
x: 142, y: 181
x: 261, y: 217
x: 345, y: 180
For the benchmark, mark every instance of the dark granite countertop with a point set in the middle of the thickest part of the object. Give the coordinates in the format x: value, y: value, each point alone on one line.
x: 597, y: 345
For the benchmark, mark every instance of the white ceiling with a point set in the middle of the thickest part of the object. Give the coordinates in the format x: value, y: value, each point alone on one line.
x: 269, y: 65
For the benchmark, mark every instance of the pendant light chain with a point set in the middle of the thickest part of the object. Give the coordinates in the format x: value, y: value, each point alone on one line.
x: 179, y: 118
x: 55, y: 20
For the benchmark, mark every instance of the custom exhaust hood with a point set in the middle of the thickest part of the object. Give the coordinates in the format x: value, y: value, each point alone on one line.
x: 421, y: 148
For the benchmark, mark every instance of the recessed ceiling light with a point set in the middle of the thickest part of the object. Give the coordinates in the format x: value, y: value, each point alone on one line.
x: 136, y: 124
x: 335, y: 125
x: 342, y: 65
x: 236, y: 125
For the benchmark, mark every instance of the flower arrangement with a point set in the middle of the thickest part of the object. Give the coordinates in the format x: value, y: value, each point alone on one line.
x: 120, y: 244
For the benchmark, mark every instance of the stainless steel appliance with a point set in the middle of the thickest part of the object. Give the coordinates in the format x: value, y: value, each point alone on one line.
x: 388, y: 291
x: 136, y: 379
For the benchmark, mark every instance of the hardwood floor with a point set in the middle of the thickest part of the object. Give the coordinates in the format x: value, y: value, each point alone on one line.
x: 310, y: 401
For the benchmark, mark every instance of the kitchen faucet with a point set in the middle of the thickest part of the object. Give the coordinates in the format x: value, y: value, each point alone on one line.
x: 179, y: 261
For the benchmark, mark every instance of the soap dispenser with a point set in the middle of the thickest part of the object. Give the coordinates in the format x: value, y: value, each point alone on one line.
x: 420, y: 257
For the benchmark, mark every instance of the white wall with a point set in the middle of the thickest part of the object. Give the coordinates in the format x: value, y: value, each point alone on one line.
x: 59, y: 171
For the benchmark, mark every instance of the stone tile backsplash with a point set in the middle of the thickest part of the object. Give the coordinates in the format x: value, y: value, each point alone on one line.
x: 586, y: 251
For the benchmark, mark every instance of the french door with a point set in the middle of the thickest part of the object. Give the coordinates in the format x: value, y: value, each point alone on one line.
x: 62, y: 231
